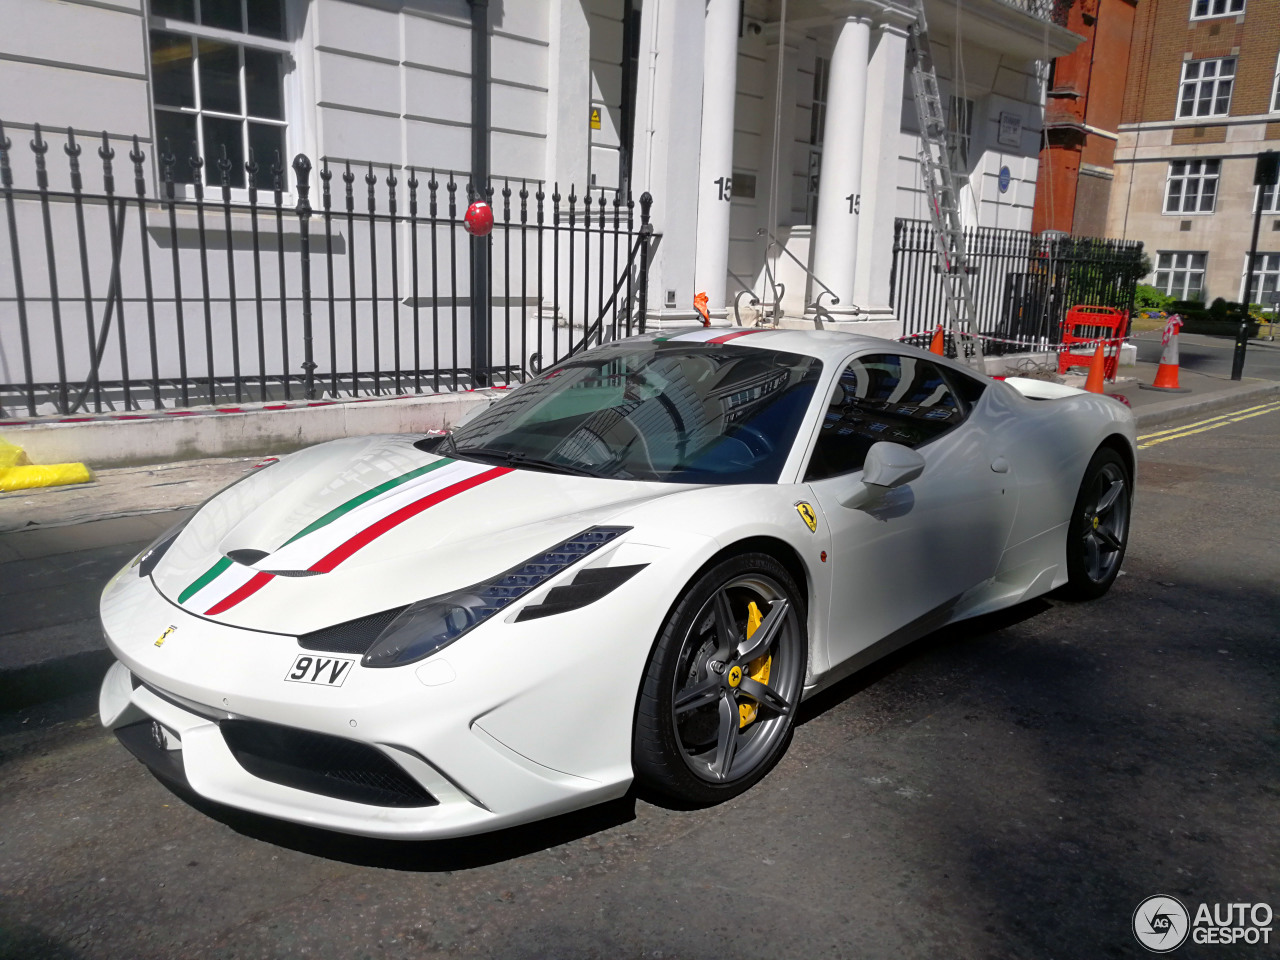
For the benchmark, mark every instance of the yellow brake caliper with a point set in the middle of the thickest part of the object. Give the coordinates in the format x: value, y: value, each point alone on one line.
x: 758, y: 669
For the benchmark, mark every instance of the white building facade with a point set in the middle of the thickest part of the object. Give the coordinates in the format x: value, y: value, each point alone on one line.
x: 778, y: 139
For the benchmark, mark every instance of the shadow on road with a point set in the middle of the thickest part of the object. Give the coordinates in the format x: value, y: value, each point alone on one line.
x: 426, y: 856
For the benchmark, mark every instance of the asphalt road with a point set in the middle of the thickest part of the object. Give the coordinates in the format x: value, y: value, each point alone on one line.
x: 1212, y: 356
x: 1012, y: 787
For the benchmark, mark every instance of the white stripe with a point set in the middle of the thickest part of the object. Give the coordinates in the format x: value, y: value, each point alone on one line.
x: 304, y: 552
x: 223, y: 585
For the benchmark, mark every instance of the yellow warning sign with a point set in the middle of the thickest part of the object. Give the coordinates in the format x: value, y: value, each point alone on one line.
x: 595, y: 118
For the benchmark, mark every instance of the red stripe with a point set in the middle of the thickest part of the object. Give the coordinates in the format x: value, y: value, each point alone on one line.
x: 725, y: 338
x: 369, y: 534
x: 256, y: 583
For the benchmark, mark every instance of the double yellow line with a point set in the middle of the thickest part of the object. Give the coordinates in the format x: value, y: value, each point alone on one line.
x: 1160, y: 436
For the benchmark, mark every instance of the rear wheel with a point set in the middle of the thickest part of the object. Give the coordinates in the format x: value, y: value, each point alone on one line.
x: 1099, y: 529
x: 719, y: 697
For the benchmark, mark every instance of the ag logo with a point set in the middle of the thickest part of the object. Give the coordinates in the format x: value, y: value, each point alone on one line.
x: 808, y: 516
x: 1161, y: 923
x: 164, y: 636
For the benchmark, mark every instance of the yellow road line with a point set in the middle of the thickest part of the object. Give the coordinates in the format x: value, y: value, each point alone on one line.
x: 1200, y: 423
x: 1212, y: 426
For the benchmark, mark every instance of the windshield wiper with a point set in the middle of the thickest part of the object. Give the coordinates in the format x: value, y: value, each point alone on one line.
x: 514, y: 458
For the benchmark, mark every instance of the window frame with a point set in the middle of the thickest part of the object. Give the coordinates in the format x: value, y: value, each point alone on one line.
x: 1260, y: 204
x: 290, y: 123
x: 1187, y: 270
x: 1186, y: 178
x: 963, y: 406
x: 1210, y: 15
x: 1216, y: 80
x: 1270, y: 260
x: 1275, y: 88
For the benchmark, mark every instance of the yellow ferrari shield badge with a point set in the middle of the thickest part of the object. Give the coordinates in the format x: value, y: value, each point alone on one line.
x: 808, y: 516
x: 164, y: 636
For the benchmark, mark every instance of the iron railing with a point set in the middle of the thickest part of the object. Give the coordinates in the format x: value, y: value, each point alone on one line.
x: 207, y: 294
x: 1023, y: 283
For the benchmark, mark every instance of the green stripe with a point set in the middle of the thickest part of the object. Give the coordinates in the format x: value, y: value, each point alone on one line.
x: 365, y: 497
x: 204, y: 580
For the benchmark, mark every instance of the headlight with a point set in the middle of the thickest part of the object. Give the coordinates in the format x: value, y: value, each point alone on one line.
x: 427, y: 626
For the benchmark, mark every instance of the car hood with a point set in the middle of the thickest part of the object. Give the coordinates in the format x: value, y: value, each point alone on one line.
x: 358, y: 526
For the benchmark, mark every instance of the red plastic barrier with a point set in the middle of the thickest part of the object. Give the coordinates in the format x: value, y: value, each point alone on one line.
x: 1089, y: 324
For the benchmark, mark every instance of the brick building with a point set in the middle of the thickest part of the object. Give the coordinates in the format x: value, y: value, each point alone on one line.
x: 1202, y: 100
x: 1084, y: 99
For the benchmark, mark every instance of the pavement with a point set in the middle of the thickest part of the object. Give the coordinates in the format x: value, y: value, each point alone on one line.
x: 50, y: 642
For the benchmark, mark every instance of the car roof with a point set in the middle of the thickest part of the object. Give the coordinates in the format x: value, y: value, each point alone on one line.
x: 830, y: 346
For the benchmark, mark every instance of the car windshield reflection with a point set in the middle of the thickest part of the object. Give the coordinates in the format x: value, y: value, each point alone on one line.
x: 665, y: 411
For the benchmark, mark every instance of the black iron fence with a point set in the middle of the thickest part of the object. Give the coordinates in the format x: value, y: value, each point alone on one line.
x: 209, y: 294
x: 1023, y: 283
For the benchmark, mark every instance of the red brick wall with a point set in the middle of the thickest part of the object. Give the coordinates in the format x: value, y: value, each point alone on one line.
x: 1164, y: 32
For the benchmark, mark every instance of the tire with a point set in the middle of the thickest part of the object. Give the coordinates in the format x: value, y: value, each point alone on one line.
x: 1099, y: 529
x: 716, y: 710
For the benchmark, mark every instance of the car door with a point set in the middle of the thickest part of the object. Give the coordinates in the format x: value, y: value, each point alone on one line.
x: 922, y: 545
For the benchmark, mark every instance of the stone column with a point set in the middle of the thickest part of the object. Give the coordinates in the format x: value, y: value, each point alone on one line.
x: 715, y: 166
x: 874, y: 260
x: 840, y: 186
x: 667, y: 130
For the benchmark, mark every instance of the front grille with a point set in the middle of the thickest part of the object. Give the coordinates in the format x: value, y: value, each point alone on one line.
x: 318, y: 763
x: 354, y: 636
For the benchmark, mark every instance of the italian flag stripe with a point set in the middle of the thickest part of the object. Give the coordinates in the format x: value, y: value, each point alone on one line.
x: 365, y: 497
x: 725, y: 338
x: 371, y: 533
x: 256, y: 583
x: 204, y: 580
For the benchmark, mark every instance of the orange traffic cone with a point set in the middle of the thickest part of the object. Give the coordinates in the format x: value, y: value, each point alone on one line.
x: 1097, y: 370
x: 938, y: 345
x: 1167, y: 372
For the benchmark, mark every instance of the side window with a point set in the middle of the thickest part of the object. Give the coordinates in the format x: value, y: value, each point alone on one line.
x: 881, y: 397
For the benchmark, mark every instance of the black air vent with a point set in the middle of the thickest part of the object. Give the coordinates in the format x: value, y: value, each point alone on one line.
x: 247, y: 557
x: 587, y: 587
x: 318, y: 763
x: 354, y: 636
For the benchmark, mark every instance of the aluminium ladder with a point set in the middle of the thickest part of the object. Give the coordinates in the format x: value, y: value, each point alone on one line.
x: 944, y: 208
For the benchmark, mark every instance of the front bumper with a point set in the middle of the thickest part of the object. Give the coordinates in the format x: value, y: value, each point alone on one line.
x: 519, y: 722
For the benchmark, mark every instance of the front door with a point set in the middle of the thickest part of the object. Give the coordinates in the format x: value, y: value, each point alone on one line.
x: 925, y: 543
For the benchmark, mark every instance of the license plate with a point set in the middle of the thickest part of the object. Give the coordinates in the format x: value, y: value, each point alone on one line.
x: 327, y: 671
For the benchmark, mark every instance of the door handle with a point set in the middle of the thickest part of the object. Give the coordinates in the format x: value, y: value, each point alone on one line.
x: 1000, y: 465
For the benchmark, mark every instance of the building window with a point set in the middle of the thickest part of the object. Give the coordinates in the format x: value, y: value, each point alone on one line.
x: 1206, y: 87
x: 1266, y: 280
x: 1269, y: 198
x: 1275, y: 88
x: 1192, y: 186
x: 1203, y: 9
x: 817, y: 125
x: 219, y: 92
x: 1181, y: 275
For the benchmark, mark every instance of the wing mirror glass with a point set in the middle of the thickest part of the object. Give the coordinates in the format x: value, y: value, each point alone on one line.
x: 888, y: 465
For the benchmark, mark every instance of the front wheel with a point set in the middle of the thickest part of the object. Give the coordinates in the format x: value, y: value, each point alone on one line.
x: 719, y: 697
x: 1099, y: 529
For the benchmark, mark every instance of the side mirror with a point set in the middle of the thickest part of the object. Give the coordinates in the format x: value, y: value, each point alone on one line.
x: 888, y: 465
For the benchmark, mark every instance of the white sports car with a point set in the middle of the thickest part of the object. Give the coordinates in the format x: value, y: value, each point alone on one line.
x: 634, y: 567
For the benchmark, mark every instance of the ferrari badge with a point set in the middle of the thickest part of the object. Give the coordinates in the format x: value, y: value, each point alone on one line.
x: 808, y: 516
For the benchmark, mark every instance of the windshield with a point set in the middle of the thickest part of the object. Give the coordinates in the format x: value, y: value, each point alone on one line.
x: 674, y: 412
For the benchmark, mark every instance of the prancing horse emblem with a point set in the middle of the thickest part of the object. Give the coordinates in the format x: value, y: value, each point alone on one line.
x: 808, y: 516
x: 164, y: 636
